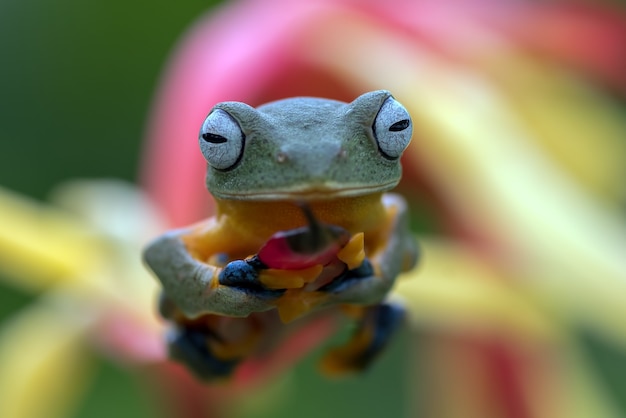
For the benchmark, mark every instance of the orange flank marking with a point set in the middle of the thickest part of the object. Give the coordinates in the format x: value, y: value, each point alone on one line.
x: 353, y: 253
x: 289, y: 279
x: 353, y: 311
x: 295, y: 303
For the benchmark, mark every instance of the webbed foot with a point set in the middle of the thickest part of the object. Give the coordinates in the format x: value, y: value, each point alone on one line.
x: 190, y: 346
x: 375, y: 329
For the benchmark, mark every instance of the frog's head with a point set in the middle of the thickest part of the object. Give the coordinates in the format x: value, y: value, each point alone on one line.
x: 305, y: 148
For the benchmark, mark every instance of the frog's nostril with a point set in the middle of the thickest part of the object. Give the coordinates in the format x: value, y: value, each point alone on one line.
x: 281, y: 157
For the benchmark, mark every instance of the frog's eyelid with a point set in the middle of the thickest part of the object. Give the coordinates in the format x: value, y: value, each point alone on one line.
x: 221, y: 140
x: 392, y: 129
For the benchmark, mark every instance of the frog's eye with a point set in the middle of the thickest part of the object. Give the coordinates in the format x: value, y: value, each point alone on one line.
x: 221, y: 140
x: 392, y: 129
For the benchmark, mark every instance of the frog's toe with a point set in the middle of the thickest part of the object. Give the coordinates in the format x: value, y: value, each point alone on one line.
x: 190, y: 347
x: 344, y: 280
x: 239, y: 273
x: 244, y: 275
x: 375, y: 330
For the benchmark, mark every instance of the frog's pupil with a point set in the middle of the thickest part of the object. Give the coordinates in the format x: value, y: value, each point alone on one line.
x: 399, y: 126
x: 213, y: 138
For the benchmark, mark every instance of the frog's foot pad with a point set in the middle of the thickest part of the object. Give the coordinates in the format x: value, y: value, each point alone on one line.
x: 243, y: 275
x: 191, y: 347
x: 375, y: 330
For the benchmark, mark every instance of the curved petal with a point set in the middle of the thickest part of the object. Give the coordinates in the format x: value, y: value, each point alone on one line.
x: 455, y: 292
x: 453, y: 288
x: 540, y: 228
x: 586, y: 36
x: 41, y: 246
x: 44, y: 361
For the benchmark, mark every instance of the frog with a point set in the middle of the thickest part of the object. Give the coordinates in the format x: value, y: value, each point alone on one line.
x: 305, y: 223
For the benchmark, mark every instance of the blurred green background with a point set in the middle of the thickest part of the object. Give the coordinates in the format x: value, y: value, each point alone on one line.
x: 76, y: 82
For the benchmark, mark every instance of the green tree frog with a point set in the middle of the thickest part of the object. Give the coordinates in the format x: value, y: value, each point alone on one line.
x: 303, y: 224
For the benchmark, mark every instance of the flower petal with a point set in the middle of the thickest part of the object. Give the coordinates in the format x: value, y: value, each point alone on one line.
x: 43, y: 360
x: 495, y: 176
x: 454, y: 288
x: 41, y: 246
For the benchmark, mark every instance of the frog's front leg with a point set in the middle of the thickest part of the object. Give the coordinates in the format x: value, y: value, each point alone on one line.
x: 376, y: 326
x: 198, y: 288
x: 369, y: 283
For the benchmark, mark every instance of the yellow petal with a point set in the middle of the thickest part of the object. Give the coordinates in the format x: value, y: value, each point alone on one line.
x: 40, y: 246
x: 453, y: 289
x: 581, y: 129
x: 44, y: 362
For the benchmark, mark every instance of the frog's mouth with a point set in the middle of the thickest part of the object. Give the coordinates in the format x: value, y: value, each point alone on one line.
x: 306, y: 193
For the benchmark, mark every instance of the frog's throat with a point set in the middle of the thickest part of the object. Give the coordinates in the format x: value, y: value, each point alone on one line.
x: 306, y: 194
x: 356, y: 214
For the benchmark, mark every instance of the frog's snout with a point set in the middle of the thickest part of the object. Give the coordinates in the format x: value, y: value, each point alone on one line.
x: 316, y: 161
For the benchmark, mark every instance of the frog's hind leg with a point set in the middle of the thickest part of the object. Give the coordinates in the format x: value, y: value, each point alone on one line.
x: 190, y: 346
x: 211, y: 346
x: 376, y: 326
